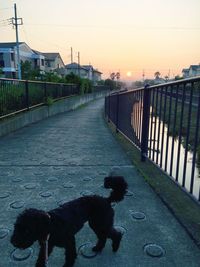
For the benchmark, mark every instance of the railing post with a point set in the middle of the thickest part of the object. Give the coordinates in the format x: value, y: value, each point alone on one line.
x: 45, y: 91
x: 145, y: 122
x: 27, y: 94
x: 117, y: 114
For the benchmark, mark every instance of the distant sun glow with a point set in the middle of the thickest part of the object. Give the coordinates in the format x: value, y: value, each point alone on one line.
x: 129, y: 73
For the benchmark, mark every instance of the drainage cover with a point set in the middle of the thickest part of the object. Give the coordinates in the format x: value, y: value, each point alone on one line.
x: 87, y: 179
x: 16, y: 180
x: 4, y: 195
x: 86, y: 250
x: 68, y: 185
x: 30, y: 186
x: 52, y: 179
x: 154, y: 250
x: 3, y: 233
x: 21, y: 255
x: 45, y: 194
x: 138, y: 215
x: 17, y: 205
x: 129, y: 194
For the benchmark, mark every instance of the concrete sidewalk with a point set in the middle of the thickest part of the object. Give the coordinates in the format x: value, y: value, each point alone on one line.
x: 66, y: 156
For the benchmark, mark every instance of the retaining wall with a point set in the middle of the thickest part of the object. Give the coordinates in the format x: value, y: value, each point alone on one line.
x: 27, y: 117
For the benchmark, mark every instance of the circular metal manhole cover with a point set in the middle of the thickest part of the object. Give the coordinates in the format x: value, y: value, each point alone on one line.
x: 30, y: 186
x: 86, y: 250
x: 21, y: 255
x: 16, y: 180
x: 45, y: 194
x: 136, y: 215
x: 52, y: 179
x: 17, y: 205
x: 3, y: 233
x: 87, y: 179
x: 68, y: 185
x: 4, y: 195
x: 129, y: 194
x: 154, y: 250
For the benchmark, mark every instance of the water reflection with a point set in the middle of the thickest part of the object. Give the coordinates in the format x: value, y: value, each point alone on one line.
x: 163, y: 156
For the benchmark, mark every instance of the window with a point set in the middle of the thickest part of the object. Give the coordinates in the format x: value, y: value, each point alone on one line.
x: 42, y: 62
x: 12, y: 56
x: 2, y: 64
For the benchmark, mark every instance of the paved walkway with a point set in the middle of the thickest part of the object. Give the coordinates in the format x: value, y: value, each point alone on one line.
x: 66, y: 156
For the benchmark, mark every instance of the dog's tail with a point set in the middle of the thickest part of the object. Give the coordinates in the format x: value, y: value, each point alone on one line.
x: 118, y: 186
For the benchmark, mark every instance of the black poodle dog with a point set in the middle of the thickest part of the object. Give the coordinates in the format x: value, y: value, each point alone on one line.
x: 58, y: 227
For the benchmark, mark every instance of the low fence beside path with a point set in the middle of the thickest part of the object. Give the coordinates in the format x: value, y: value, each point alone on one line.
x: 26, y: 102
x: 21, y: 95
x: 163, y: 122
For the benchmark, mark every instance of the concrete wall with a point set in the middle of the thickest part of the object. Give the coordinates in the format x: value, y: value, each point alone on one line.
x: 25, y: 118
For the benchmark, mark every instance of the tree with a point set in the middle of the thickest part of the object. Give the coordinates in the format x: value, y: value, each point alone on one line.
x: 110, y: 83
x: 157, y: 75
x: 28, y: 72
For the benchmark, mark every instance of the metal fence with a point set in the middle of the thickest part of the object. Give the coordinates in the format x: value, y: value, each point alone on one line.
x: 19, y: 95
x: 162, y: 121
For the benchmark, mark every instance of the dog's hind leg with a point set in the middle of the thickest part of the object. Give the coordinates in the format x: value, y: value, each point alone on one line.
x: 100, y: 243
x: 116, y: 237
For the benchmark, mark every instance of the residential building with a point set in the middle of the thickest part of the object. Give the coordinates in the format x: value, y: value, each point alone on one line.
x: 83, y: 71
x: 8, y: 58
x: 76, y: 69
x: 53, y: 61
x: 192, y: 71
x: 93, y: 74
x: 45, y: 62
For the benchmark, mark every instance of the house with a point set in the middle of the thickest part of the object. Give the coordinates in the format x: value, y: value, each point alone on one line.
x: 93, y: 74
x: 53, y: 61
x: 192, y: 71
x: 8, y: 58
x: 45, y: 62
x: 83, y: 71
x: 185, y: 73
x: 76, y: 69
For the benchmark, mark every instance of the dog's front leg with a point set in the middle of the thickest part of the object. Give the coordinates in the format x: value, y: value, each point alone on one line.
x: 70, y: 252
x: 41, y: 261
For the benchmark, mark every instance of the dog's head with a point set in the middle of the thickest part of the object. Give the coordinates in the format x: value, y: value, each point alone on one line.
x: 31, y: 225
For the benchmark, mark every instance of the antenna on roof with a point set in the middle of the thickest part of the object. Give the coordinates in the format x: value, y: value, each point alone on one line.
x: 71, y: 55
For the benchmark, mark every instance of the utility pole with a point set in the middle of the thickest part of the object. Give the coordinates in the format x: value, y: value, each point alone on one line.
x: 17, y: 21
x: 71, y: 55
x: 79, y: 64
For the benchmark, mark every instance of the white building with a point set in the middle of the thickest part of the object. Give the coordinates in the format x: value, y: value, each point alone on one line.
x: 192, y: 71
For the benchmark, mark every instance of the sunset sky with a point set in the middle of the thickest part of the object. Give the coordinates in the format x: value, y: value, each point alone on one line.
x: 113, y: 35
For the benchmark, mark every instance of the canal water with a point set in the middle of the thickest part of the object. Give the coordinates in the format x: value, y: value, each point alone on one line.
x: 156, y: 149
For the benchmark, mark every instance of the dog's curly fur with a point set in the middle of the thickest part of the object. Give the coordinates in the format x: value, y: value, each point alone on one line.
x: 62, y: 223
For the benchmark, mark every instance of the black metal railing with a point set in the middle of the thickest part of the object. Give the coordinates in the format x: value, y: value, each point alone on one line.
x: 162, y: 121
x: 19, y: 95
